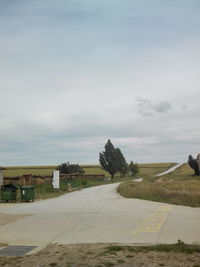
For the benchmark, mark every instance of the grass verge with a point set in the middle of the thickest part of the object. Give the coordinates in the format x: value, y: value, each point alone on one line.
x: 181, y: 193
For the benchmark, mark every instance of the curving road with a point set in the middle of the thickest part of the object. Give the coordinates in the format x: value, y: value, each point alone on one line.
x: 98, y: 214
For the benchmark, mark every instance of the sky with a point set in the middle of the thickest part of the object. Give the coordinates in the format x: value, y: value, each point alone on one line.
x: 75, y: 73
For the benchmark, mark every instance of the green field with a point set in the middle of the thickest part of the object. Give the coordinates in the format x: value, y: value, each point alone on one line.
x: 145, y: 169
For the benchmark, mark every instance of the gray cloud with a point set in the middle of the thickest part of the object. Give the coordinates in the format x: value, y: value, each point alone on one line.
x: 162, y: 107
x: 147, y: 107
x: 184, y: 107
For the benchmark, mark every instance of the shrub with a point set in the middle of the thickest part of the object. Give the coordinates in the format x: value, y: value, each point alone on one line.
x: 67, y: 168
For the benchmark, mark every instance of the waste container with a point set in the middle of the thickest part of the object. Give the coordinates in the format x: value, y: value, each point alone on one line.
x: 8, y: 192
x: 27, y: 193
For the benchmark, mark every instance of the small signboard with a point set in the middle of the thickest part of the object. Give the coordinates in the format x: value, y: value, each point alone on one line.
x: 56, y: 180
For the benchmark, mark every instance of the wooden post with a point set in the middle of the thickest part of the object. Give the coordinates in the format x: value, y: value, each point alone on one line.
x: 27, y: 179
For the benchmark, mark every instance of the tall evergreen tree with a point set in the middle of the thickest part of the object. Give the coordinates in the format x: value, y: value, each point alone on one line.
x: 107, y: 159
x: 112, y: 159
x: 122, y: 164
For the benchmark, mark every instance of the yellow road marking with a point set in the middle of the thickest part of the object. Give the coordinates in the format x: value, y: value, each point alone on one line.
x: 153, y: 223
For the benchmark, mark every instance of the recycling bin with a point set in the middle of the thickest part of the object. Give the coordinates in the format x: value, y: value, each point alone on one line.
x: 27, y: 193
x: 8, y: 193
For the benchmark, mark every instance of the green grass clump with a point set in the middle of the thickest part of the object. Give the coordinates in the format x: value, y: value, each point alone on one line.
x: 115, y: 248
x: 179, y: 247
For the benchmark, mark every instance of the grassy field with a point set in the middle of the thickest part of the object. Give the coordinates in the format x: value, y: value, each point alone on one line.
x: 145, y: 169
x: 182, y: 173
x: 47, y: 170
x: 35, y: 170
x: 179, y: 187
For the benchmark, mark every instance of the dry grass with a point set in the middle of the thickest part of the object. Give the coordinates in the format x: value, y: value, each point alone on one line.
x: 173, y: 192
x: 108, y: 255
x: 184, y: 172
x: 154, y: 168
x: 47, y: 170
x: 35, y: 170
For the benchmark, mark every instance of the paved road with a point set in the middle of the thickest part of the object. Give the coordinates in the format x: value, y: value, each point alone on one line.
x: 99, y: 214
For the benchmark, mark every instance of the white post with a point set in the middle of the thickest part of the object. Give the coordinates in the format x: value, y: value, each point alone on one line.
x: 56, y: 180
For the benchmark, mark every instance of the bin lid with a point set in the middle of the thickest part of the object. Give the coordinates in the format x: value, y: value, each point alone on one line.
x: 12, y: 186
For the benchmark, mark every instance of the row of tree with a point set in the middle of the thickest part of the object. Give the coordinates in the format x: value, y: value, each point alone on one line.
x: 112, y: 160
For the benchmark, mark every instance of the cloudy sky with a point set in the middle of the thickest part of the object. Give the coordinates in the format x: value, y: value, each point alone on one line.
x: 74, y: 73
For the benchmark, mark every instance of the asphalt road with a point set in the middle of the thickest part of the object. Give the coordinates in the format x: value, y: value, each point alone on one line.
x: 98, y: 214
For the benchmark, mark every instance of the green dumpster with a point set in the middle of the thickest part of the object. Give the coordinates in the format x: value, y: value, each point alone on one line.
x: 27, y: 193
x: 8, y: 193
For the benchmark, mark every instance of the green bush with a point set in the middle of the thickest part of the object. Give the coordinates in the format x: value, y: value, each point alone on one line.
x: 67, y: 168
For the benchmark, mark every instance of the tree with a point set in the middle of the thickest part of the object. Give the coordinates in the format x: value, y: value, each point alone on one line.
x: 133, y: 167
x: 67, y: 168
x: 112, y: 159
x: 122, y: 164
x: 194, y: 165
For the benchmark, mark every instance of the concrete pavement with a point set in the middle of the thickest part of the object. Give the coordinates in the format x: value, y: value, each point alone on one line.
x: 99, y: 214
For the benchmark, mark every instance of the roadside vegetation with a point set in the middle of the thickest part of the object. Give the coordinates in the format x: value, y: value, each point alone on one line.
x: 46, y: 191
x: 179, y: 247
x: 180, y: 187
x: 174, y: 255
